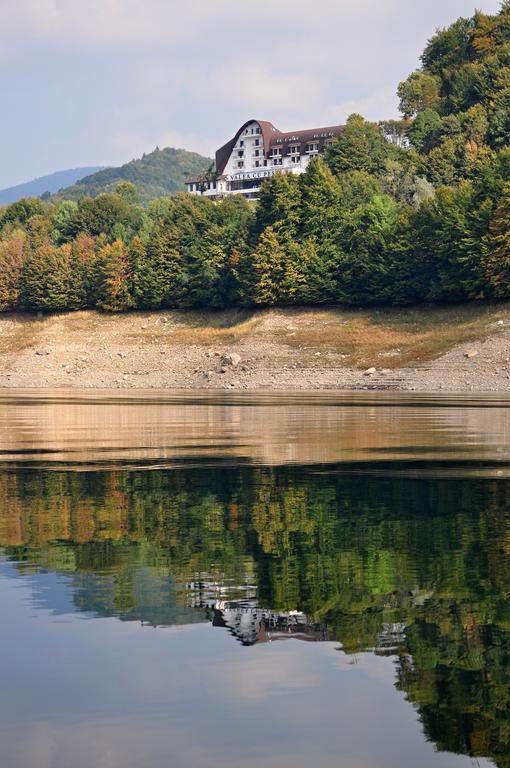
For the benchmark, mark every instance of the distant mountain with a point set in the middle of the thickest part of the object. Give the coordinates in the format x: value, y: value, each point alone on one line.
x: 157, y: 174
x: 51, y: 183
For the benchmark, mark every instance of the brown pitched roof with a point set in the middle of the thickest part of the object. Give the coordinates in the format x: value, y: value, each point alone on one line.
x: 223, y: 154
x: 272, y: 137
x: 319, y: 135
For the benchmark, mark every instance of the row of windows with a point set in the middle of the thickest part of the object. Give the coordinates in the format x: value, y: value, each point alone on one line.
x: 276, y: 161
x: 201, y: 187
x: 258, y: 163
x: 295, y: 149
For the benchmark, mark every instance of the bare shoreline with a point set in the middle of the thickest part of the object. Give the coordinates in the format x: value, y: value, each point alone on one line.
x: 464, y: 349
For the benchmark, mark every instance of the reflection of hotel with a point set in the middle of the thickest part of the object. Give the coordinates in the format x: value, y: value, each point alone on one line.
x: 259, y: 150
x: 250, y: 624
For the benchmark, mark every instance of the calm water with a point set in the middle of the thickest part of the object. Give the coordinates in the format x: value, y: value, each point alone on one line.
x: 239, y: 581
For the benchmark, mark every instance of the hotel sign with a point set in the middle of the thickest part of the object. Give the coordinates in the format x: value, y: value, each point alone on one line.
x: 252, y: 174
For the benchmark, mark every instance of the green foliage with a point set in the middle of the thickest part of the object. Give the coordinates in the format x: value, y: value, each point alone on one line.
x: 401, y: 211
x: 412, y: 568
x: 47, y: 278
x: 497, y: 249
x: 110, y: 278
x: 360, y: 147
x: 12, y: 249
x: 419, y: 93
x: 157, y: 174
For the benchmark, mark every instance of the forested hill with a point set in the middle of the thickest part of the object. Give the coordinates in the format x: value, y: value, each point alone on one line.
x: 51, y: 183
x: 156, y: 174
x: 397, y: 212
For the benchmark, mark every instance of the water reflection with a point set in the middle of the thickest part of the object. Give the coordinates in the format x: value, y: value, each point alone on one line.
x: 157, y: 429
x: 405, y: 582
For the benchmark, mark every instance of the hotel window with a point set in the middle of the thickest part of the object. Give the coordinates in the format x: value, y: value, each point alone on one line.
x: 240, y: 164
x: 240, y: 153
x: 295, y: 158
x: 257, y: 164
x: 241, y: 143
x: 294, y: 150
x: 257, y: 153
x: 257, y: 142
x: 312, y: 147
x: 277, y: 161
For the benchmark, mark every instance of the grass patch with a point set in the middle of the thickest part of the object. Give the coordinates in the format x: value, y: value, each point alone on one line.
x: 390, y: 337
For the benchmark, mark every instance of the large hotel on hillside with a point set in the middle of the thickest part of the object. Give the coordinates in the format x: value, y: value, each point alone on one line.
x: 259, y: 150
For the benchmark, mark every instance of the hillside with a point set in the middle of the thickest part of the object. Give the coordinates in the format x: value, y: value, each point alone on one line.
x: 157, y: 174
x: 51, y: 183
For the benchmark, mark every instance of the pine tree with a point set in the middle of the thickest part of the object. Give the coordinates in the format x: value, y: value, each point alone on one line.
x: 160, y: 278
x: 278, y: 206
x: 320, y: 209
x: 269, y: 267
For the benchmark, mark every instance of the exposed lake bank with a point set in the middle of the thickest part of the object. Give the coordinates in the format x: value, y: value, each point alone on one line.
x: 427, y: 349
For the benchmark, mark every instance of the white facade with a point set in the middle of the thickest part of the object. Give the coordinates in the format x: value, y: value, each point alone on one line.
x: 257, y: 151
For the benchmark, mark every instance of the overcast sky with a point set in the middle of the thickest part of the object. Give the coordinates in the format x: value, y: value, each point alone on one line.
x: 98, y: 82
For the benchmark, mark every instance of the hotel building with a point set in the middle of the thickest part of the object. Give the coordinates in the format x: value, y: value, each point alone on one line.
x: 259, y: 150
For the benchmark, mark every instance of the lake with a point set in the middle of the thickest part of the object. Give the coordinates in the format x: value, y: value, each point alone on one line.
x: 235, y: 580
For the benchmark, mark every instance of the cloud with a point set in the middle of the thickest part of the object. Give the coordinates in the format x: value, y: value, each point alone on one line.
x: 104, y: 80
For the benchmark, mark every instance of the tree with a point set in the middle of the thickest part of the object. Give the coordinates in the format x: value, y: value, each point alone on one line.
x: 496, y: 249
x: 12, y: 256
x: 47, y: 278
x: 448, y: 232
x: 64, y: 228
x: 160, y: 279
x: 366, y: 269
x: 360, y: 147
x: 269, y: 267
x: 278, y: 206
x: 320, y: 198
x: 423, y: 132
x: 418, y: 93
x: 111, y: 278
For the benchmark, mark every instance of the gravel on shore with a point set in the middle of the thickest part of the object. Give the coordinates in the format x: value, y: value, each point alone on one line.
x: 157, y: 350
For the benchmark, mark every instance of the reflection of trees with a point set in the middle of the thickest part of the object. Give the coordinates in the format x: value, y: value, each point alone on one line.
x: 364, y: 557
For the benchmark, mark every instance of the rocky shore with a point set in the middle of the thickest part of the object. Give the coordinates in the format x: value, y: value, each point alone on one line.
x: 461, y: 350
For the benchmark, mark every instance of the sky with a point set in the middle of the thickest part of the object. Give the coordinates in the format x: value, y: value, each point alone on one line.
x: 99, y: 82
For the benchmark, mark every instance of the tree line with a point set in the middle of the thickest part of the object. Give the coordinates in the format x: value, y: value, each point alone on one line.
x: 406, y: 211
